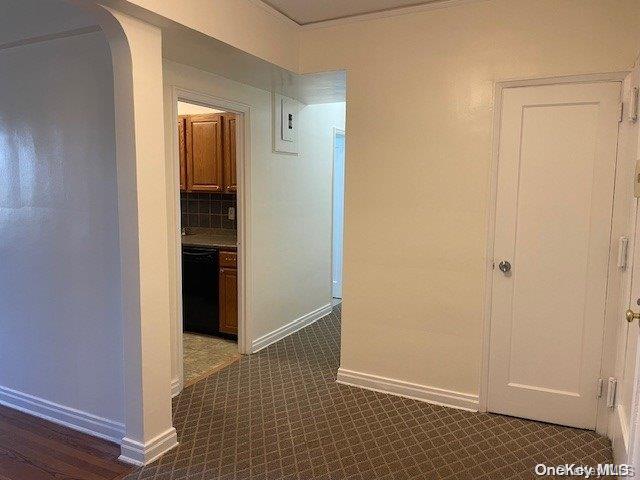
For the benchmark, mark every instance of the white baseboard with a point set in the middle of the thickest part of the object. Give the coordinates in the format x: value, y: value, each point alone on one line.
x: 176, y: 387
x: 425, y: 393
x: 290, y: 328
x: 137, y: 453
x: 619, y: 435
x: 63, y: 415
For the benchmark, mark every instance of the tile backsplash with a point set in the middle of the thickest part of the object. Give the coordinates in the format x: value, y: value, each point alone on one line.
x: 209, y: 210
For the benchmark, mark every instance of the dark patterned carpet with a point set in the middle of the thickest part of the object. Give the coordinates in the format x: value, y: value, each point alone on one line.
x: 279, y: 414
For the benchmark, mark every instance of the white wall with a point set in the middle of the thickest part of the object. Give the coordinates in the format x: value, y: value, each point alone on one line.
x: 291, y: 217
x: 291, y: 200
x: 185, y: 108
x: 315, y: 191
x: 60, y: 298
x: 23, y: 19
x: 420, y: 105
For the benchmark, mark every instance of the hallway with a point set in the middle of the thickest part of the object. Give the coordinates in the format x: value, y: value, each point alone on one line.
x: 279, y: 414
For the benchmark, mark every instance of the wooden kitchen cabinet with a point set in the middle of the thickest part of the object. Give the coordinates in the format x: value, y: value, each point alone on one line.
x: 182, y: 149
x: 207, y: 145
x: 204, y: 153
x: 229, y: 152
x: 228, y: 292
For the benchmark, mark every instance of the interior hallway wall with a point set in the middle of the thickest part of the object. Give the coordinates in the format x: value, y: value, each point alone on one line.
x: 291, y: 200
x: 60, y: 286
x: 420, y: 106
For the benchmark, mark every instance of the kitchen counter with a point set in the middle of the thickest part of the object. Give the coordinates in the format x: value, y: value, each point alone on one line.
x: 211, y: 237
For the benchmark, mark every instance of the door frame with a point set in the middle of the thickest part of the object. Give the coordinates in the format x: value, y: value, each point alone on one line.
x: 335, y: 131
x: 609, y: 332
x: 243, y: 212
x: 624, y: 435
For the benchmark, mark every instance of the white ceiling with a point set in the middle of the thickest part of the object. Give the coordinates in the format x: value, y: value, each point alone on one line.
x: 311, y: 11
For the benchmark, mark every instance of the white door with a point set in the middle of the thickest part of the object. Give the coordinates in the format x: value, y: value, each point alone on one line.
x: 556, y: 169
x: 338, y: 212
x: 623, y: 421
x: 628, y: 333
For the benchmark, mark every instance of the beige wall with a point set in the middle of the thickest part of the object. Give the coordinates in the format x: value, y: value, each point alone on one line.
x: 419, y: 122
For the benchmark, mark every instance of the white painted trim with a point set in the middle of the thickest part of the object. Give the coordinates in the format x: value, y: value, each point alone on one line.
x: 392, y: 12
x: 177, y: 384
x: 619, y: 435
x: 52, y: 36
x: 335, y: 131
x: 609, y: 344
x: 534, y: 82
x: 136, y: 453
x: 291, y: 327
x: 424, y: 393
x: 623, y: 425
x: 243, y: 196
x: 275, y: 13
x: 69, y: 417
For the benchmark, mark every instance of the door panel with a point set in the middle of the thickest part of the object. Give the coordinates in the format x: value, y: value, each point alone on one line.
x: 627, y: 347
x: 204, y: 153
x: 230, y: 177
x: 553, y: 216
x: 228, y: 285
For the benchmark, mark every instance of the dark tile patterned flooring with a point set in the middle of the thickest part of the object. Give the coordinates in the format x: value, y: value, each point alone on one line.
x: 279, y: 414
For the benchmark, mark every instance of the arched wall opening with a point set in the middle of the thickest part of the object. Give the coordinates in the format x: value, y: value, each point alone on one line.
x: 83, y: 224
x: 61, y: 338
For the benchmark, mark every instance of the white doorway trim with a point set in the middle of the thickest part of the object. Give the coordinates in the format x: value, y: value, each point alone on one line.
x: 609, y: 341
x: 335, y: 133
x: 243, y: 168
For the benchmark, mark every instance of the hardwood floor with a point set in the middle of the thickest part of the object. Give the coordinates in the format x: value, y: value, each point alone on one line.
x: 35, y: 449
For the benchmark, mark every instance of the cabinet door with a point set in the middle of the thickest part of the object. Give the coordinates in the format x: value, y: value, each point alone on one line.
x: 182, y: 149
x: 228, y: 291
x: 204, y: 153
x: 230, y: 182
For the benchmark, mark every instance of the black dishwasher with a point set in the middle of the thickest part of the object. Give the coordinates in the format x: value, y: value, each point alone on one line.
x: 200, y: 289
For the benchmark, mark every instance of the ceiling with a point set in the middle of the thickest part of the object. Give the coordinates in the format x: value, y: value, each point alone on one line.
x: 304, y: 12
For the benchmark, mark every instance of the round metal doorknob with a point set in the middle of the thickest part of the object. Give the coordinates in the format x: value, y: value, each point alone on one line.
x: 631, y: 315
x: 504, y: 266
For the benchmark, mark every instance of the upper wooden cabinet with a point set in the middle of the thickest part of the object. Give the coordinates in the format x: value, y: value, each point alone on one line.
x: 207, y: 153
x: 182, y: 148
x: 230, y: 182
x: 204, y: 153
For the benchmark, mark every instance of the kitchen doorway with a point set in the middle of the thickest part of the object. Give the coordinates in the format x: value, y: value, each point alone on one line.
x: 208, y: 163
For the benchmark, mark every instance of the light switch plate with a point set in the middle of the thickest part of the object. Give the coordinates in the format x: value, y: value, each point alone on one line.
x: 288, y: 120
x: 286, y: 112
